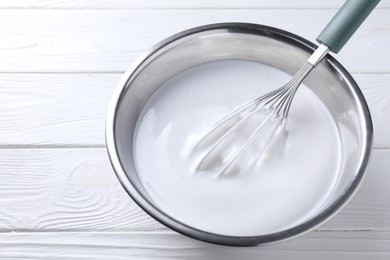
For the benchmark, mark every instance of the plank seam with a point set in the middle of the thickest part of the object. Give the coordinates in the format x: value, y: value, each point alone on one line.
x: 167, y: 231
x: 76, y: 146
x: 177, y: 8
x: 120, y: 72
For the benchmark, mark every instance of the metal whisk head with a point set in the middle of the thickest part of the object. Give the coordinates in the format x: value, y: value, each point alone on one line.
x: 250, y: 127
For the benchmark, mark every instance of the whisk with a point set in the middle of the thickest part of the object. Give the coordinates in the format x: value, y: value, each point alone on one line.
x: 222, y: 150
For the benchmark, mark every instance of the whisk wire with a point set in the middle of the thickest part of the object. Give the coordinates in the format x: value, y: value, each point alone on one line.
x: 249, y: 141
x: 218, y: 142
x: 277, y: 104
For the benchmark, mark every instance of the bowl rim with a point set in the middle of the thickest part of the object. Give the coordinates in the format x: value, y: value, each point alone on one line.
x: 205, y: 236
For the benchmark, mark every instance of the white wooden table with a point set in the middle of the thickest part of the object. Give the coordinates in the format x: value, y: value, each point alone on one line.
x: 59, y: 63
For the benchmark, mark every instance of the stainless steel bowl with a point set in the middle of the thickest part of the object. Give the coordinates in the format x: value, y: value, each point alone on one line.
x: 330, y: 81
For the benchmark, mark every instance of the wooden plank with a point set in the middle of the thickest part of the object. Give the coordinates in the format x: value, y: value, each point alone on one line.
x: 109, y: 40
x: 167, y: 245
x: 70, y: 109
x: 76, y: 190
x: 57, y: 109
x: 375, y: 88
x: 171, y: 4
x: 64, y: 189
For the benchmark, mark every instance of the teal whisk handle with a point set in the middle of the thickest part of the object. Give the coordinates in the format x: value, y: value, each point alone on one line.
x: 344, y: 24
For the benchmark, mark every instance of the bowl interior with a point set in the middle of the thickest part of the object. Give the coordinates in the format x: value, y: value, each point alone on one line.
x: 329, y: 81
